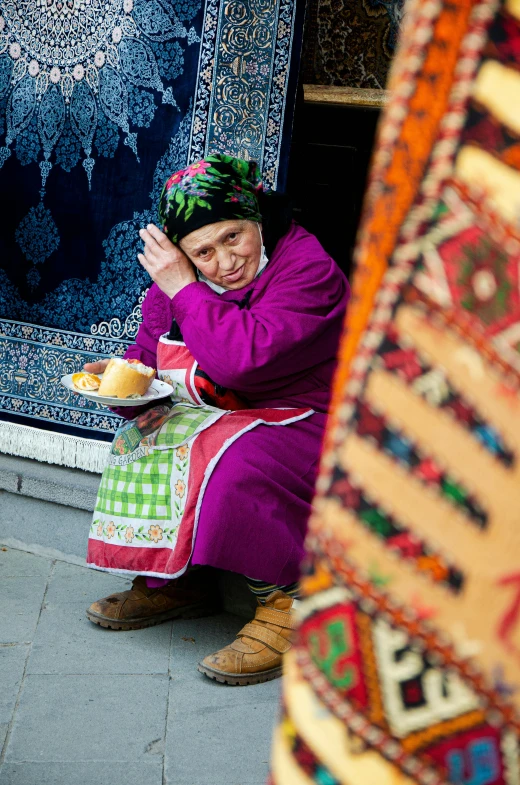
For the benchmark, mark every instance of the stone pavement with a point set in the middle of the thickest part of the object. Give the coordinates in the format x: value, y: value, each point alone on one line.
x: 81, y: 705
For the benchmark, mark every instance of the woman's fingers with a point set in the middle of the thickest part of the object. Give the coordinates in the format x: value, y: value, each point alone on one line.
x: 147, y: 262
x: 158, y: 236
x: 158, y: 246
x: 157, y: 257
x: 96, y: 367
x: 148, y: 239
x: 150, y: 265
x: 164, y: 262
x: 155, y: 239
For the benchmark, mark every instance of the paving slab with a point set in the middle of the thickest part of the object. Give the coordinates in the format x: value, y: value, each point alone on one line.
x: 12, y: 664
x: 19, y: 564
x: 148, y: 772
x: 67, y: 642
x: 19, y: 617
x: 43, y: 524
x: 4, y: 727
x: 194, y: 639
x: 225, y: 730
x: 70, y: 582
x: 219, y: 729
x: 84, y: 718
x: 98, y: 707
x: 206, y: 696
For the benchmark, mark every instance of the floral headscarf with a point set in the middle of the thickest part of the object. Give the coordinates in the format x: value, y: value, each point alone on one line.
x: 218, y: 188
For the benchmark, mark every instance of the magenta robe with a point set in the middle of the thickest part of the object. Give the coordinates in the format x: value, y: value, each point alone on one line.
x: 275, y: 343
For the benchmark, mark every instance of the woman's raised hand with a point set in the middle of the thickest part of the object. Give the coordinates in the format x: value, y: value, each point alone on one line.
x: 97, y: 367
x: 166, y: 264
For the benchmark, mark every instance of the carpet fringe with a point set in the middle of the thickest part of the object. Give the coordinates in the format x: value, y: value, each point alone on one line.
x: 58, y: 448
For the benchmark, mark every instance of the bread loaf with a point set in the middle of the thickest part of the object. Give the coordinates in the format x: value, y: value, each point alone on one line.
x: 125, y: 378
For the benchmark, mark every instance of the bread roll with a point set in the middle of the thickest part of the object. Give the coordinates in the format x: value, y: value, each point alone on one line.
x: 125, y: 378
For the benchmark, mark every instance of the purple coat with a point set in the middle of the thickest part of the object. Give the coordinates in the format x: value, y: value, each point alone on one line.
x: 275, y: 343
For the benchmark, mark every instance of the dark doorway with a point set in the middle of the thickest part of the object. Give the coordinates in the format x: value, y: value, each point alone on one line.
x: 330, y: 157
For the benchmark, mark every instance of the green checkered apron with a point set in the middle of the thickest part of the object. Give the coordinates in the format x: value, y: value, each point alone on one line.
x: 143, y: 490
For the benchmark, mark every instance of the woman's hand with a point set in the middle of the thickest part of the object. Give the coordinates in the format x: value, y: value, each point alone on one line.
x: 98, y: 367
x: 166, y: 264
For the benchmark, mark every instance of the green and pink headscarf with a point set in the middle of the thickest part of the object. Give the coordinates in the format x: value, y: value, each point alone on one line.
x: 217, y: 188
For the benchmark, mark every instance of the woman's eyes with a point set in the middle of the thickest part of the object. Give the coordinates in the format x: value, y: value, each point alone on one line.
x: 206, y: 252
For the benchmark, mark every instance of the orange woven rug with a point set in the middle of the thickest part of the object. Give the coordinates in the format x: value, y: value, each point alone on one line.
x: 406, y: 666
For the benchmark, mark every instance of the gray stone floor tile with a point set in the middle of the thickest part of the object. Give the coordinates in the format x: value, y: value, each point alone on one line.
x: 12, y: 664
x: 83, y: 718
x: 194, y: 639
x: 3, y: 735
x: 19, y: 564
x: 146, y: 772
x: 225, y: 730
x: 67, y: 642
x: 209, y: 695
x: 92, y: 708
x: 18, y: 617
x: 233, y: 743
x: 71, y: 583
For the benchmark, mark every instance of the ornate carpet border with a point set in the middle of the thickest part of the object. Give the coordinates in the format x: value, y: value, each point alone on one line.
x: 33, y: 360
x: 244, y: 116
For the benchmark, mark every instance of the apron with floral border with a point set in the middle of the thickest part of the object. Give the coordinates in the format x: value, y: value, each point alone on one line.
x: 150, y: 496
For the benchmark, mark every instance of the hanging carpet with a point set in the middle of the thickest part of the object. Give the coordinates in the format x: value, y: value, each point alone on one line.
x: 350, y: 43
x: 406, y: 664
x: 99, y: 103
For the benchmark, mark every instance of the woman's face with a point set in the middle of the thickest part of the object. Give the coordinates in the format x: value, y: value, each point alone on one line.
x: 227, y: 253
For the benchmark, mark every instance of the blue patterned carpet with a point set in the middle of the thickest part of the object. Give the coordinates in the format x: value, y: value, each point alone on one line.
x: 99, y: 102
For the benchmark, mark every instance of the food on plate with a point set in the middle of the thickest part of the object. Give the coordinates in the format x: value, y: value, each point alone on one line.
x: 88, y: 382
x: 126, y: 379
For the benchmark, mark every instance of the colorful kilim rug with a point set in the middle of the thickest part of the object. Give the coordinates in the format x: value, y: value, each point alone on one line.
x: 99, y: 102
x: 406, y: 665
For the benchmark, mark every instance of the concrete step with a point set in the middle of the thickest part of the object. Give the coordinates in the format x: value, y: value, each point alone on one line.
x: 47, y: 510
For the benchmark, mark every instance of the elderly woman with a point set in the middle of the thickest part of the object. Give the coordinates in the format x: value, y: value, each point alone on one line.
x: 260, y: 306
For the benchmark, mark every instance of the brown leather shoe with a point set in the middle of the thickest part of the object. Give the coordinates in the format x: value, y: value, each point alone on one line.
x: 256, y: 655
x: 187, y: 597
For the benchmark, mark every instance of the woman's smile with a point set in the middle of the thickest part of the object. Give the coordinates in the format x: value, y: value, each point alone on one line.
x: 235, y: 276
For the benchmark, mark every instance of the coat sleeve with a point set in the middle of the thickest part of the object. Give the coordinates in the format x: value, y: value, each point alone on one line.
x: 156, y: 311
x: 157, y: 316
x: 144, y: 348
x: 288, y: 331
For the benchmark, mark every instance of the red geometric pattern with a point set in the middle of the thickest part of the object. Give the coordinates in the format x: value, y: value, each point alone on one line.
x: 332, y: 639
x: 483, y: 279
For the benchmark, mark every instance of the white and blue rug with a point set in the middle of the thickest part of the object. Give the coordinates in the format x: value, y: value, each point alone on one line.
x: 99, y: 101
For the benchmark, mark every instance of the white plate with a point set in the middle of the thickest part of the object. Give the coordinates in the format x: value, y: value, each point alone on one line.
x: 155, y: 392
